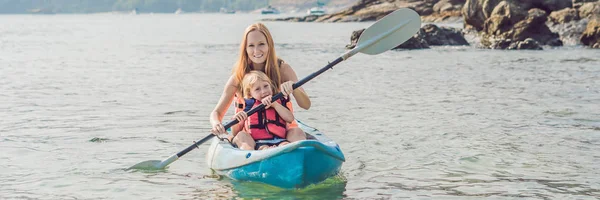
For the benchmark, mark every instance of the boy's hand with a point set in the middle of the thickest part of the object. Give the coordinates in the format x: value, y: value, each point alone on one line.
x: 267, y: 101
x: 240, y: 116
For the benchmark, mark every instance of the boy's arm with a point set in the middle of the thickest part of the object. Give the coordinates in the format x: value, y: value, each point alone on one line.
x: 235, y: 129
x: 241, y: 117
x: 283, y: 112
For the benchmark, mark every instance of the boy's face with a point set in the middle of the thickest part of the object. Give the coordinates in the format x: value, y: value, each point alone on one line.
x: 261, y: 89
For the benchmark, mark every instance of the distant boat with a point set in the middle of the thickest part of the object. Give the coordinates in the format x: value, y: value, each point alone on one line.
x: 316, y: 11
x: 41, y: 11
x: 134, y: 11
x: 226, y: 11
x: 178, y: 11
x: 269, y: 10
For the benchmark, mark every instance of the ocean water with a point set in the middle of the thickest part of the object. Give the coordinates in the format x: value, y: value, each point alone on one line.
x: 83, y: 97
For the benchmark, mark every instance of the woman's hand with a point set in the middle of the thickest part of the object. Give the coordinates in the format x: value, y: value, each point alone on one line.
x: 287, y: 88
x: 218, y: 129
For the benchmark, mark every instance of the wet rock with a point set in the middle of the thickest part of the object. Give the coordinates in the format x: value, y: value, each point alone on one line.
x: 308, y: 18
x: 571, y: 22
x: 448, y: 5
x: 502, y: 18
x: 354, y: 38
x: 534, y: 27
x: 415, y: 42
x: 98, y: 140
x: 564, y: 16
x: 363, y: 10
x: 506, y: 22
x: 549, y: 5
x: 579, y: 3
x: 476, y: 12
x: 589, y: 9
x: 591, y: 35
x: 569, y: 32
x: 508, y: 44
x: 424, y: 8
x: 445, y: 16
x: 528, y: 43
x: 435, y: 35
x: 499, y: 43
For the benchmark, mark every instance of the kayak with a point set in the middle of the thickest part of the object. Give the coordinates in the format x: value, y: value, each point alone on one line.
x: 295, y: 165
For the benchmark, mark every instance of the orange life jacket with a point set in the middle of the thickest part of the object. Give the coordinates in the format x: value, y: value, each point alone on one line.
x: 266, y: 123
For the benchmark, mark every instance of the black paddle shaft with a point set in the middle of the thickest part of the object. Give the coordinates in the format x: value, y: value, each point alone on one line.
x: 262, y: 106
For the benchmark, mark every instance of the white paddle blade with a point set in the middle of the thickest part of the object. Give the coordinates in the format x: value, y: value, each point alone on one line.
x: 389, y: 31
x: 147, y: 165
x: 155, y: 164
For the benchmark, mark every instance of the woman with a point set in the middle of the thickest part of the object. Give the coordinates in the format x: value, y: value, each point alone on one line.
x: 257, y: 52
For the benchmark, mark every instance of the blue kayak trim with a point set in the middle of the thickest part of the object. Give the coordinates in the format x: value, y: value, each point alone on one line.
x: 295, y: 165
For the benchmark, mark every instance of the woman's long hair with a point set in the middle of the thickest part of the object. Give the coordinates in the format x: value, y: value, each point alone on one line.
x: 244, y: 64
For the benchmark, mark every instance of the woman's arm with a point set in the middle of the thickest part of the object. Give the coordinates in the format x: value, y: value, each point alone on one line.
x: 288, y: 74
x: 216, y: 116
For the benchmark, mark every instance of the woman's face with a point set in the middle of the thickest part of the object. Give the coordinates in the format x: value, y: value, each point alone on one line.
x: 256, y: 47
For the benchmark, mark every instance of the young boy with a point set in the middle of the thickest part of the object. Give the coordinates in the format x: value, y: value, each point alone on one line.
x: 266, y: 127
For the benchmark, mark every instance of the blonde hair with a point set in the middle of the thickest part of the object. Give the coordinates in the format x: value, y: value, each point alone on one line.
x: 243, y: 64
x: 251, y: 78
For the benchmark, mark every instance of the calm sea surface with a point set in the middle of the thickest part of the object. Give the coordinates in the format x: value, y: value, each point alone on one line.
x: 82, y: 97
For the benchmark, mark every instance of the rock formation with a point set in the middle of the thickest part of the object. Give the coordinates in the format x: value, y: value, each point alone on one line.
x: 500, y: 24
x: 369, y: 10
x: 591, y: 35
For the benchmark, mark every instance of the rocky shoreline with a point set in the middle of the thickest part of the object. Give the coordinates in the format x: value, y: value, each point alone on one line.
x: 500, y: 24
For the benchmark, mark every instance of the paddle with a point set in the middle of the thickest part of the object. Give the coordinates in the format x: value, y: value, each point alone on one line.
x: 385, y: 34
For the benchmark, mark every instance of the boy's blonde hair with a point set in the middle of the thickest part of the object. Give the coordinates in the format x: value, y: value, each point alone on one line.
x: 251, y: 78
